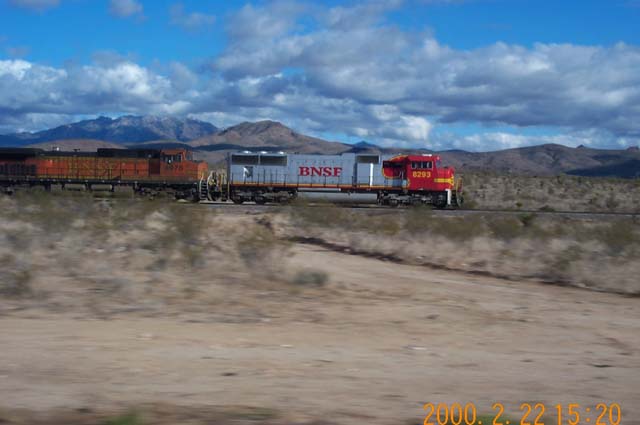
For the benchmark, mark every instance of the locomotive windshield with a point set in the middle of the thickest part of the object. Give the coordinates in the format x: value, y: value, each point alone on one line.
x: 172, y: 158
x: 424, y: 165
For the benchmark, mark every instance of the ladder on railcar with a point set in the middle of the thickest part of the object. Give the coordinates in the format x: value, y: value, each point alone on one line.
x: 203, y: 189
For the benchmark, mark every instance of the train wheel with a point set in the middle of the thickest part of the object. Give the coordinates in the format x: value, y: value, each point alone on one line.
x: 440, y: 205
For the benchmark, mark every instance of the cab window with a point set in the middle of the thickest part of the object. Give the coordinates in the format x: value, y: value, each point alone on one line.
x: 421, y: 165
x: 172, y: 158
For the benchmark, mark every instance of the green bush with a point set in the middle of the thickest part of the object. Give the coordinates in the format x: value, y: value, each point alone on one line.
x: 527, y: 220
x: 127, y: 419
x: 311, y: 277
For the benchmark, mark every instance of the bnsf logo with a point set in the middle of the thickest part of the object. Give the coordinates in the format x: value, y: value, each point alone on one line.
x: 320, y: 171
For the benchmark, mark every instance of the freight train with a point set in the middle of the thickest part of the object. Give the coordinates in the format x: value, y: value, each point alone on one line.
x: 258, y: 177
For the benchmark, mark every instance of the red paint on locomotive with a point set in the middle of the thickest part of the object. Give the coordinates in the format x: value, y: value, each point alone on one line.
x: 421, y: 172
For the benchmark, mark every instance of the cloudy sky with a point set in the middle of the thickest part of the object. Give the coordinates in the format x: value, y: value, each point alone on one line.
x: 468, y: 74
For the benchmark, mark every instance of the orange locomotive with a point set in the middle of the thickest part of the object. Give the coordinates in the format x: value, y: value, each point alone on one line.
x: 146, y: 170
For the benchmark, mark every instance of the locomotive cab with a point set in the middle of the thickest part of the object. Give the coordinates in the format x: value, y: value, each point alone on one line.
x: 179, y: 164
x: 422, y: 179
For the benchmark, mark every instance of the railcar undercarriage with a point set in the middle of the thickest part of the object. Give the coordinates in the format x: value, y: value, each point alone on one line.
x: 188, y: 191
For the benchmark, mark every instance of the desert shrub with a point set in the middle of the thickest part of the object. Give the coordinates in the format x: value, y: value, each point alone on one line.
x: 382, y: 225
x: 418, y: 220
x: 188, y: 224
x: 52, y: 212
x: 505, y: 227
x: 558, y: 269
x: 168, y: 227
x: 261, y: 250
x: 459, y: 228
x: 250, y: 413
x: 15, y: 279
x: 329, y: 216
x: 611, y: 202
x: 527, y: 220
x: 126, y: 419
x: 619, y: 235
x: 322, y: 214
x: 469, y: 203
x: 310, y: 277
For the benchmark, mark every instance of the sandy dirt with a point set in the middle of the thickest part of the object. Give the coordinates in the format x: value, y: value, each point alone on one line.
x: 375, y: 345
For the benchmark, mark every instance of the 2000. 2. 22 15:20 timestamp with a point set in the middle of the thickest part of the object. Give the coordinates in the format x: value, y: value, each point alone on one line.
x: 530, y: 414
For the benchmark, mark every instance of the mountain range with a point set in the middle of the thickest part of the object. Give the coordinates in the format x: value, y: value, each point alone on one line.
x: 126, y: 129
x: 212, y: 144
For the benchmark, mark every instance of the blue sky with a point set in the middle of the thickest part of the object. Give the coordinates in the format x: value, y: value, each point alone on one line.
x: 474, y: 74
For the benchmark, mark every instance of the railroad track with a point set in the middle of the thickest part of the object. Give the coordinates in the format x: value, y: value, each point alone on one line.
x: 378, y: 209
x: 372, y: 208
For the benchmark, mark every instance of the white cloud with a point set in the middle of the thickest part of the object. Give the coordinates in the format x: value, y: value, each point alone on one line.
x: 323, y: 70
x: 251, y: 23
x: 575, y: 88
x: 125, y: 8
x: 27, y: 89
x: 37, y: 5
x: 14, y: 68
x: 190, y: 21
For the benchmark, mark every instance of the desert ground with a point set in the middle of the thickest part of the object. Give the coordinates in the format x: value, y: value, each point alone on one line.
x: 167, y: 314
x: 551, y: 193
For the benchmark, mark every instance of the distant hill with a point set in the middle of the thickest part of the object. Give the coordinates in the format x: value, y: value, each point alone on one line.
x: 626, y: 169
x: 127, y: 129
x: 547, y: 159
x: 365, y: 147
x: 262, y: 134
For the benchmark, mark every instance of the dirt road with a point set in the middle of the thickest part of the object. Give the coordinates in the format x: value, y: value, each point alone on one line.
x: 375, y: 345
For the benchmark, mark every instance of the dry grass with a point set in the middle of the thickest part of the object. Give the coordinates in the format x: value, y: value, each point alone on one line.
x: 152, y: 257
x: 559, y: 193
x: 601, y: 255
x: 156, y: 414
x: 105, y: 257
